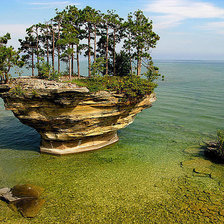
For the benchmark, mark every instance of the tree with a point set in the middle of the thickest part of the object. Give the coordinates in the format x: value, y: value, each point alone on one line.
x: 27, y: 47
x: 141, y: 37
x: 58, y: 21
x: 101, y: 50
x: 152, y: 72
x: 34, y: 29
x: 8, y: 58
x: 88, y: 18
x: 122, y: 64
x: 52, y: 32
x: 45, y: 38
x: 115, y: 23
x: 69, y: 38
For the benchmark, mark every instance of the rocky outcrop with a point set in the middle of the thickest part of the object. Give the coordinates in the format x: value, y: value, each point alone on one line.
x: 69, y: 118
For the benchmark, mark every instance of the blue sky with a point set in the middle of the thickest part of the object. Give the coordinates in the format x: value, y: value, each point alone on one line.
x: 189, y: 29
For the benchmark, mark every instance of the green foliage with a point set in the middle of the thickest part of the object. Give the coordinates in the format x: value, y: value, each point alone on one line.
x: 45, y: 71
x: 152, y: 72
x: 140, y: 37
x: 17, y: 91
x: 122, y: 64
x: 98, y: 66
x: 8, y: 58
x: 133, y: 87
x: 74, y: 30
x: 54, y: 75
x: 35, y: 93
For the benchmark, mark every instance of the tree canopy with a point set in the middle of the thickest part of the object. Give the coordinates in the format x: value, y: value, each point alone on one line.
x: 8, y: 58
x: 89, y: 32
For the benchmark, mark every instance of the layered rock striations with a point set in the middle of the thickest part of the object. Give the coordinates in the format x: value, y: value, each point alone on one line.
x: 69, y: 118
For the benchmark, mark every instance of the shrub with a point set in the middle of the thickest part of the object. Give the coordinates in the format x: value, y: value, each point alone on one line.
x: 17, y: 90
x: 45, y: 71
x: 133, y: 87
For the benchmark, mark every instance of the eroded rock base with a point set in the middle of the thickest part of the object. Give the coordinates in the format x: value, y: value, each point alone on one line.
x: 80, y: 145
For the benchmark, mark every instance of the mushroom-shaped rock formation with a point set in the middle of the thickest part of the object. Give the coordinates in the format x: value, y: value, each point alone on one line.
x: 69, y: 118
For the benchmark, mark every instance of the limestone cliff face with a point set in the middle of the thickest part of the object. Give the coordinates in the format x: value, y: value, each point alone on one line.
x: 69, y: 118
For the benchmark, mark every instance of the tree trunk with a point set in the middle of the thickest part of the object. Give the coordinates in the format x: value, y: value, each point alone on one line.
x: 70, y: 67
x: 89, y: 54
x: 6, y: 78
x: 47, y: 52
x: 130, y: 53
x: 59, y: 65
x: 139, y: 63
x: 94, y: 43
x: 37, y: 47
x: 32, y: 63
x: 107, y: 50
x: 72, y: 59
x: 77, y: 52
x: 114, y: 53
x: 131, y: 63
x: 53, y: 48
x: 7, y: 74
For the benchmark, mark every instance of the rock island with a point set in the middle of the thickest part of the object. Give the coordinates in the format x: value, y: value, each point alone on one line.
x: 69, y: 118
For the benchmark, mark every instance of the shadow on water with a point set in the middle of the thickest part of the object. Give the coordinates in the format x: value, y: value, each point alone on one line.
x: 16, y: 136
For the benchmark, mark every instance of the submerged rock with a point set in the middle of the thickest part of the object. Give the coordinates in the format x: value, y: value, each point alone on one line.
x: 27, y: 190
x: 214, y: 152
x: 69, y: 118
x: 7, y: 195
x: 196, y: 163
x: 24, y: 199
x: 29, y: 208
x: 194, y: 150
x: 199, y: 166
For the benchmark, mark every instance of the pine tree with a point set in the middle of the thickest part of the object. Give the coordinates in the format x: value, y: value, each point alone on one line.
x: 8, y: 57
x: 141, y: 37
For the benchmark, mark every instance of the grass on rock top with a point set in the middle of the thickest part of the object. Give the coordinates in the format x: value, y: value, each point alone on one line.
x: 133, y: 87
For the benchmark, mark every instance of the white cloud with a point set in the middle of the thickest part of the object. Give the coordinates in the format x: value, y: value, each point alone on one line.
x: 174, y: 12
x: 49, y: 3
x: 46, y: 5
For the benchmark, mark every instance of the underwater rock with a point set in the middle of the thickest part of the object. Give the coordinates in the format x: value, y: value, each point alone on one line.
x: 202, y: 172
x: 69, y: 118
x: 196, y: 163
x: 24, y: 199
x: 200, y: 167
x: 214, y: 152
x: 27, y: 190
x: 29, y: 208
x: 7, y: 195
x: 193, y: 150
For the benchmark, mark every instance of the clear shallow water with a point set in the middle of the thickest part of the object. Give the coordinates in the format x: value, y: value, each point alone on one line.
x: 140, y: 178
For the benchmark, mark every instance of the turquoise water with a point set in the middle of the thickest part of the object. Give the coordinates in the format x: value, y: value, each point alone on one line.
x: 139, y: 179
